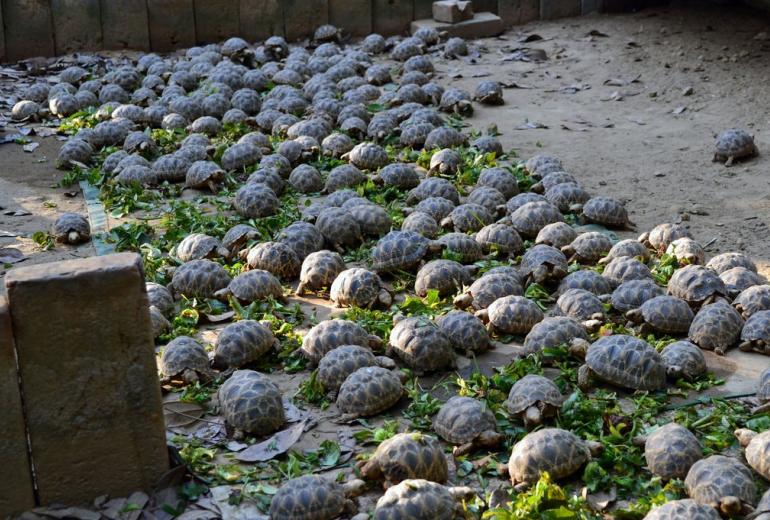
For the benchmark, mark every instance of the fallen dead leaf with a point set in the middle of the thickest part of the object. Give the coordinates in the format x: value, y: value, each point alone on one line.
x: 273, y: 446
x: 178, y: 413
x: 531, y: 125
x: 31, y: 147
x: 679, y: 110
x: 620, y: 82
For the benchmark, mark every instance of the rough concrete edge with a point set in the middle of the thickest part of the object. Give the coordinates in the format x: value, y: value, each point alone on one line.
x: 97, y: 218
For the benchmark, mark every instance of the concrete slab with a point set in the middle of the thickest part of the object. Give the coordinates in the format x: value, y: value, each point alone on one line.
x: 77, y: 25
x: 452, y: 11
x: 125, y: 24
x: 302, y: 17
x: 516, y: 12
x: 391, y: 17
x: 352, y: 16
x: 260, y: 19
x: 27, y: 29
x: 483, y: 25
x: 216, y: 20
x: 172, y: 24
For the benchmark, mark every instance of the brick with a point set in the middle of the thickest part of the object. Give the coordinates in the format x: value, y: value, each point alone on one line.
x: 91, y: 391
x: 483, y: 25
x: 260, y: 19
x: 551, y: 9
x: 516, y: 12
x: 172, y: 24
x: 216, y: 20
x: 353, y: 16
x: 125, y: 24
x: 451, y: 11
x: 302, y: 17
x: 423, y: 9
x: 77, y: 25
x: 27, y: 29
x: 391, y: 17
x: 591, y: 6
x: 16, y: 493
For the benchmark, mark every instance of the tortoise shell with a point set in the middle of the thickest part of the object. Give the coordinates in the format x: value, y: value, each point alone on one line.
x: 467, y: 218
x: 399, y: 250
x: 319, y: 270
x: 197, y: 246
x: 588, y: 247
x: 661, y: 236
x: 558, y: 452
x: 671, y: 450
x: 684, y: 359
x: 542, y: 263
x: 553, y: 332
x: 696, y: 284
x: 558, y: 235
x: 275, y: 257
x: 712, y: 479
x: 586, y: 279
x: 725, y: 261
x: 567, y: 196
x: 256, y: 201
x: 629, y: 247
x: 530, y: 218
x: 251, y: 403
x: 462, y: 419
x: 199, y: 279
x: 304, y: 238
x: 421, y: 345
x: 255, y: 285
x: 580, y: 304
x: 71, y: 228
x: 181, y: 354
x: 342, y: 361
x: 738, y: 279
x: 756, y: 332
x: 607, y: 212
x: 500, y: 179
x: 686, y: 508
x: 500, y: 238
x: 243, y: 342
x: 339, y: 228
x: 755, y: 298
x: 406, y: 456
x: 369, y: 391
x: 464, y: 330
x: 534, y: 391
x: 686, y: 251
x: 632, y: 294
x: 444, y: 276
x: 462, y: 247
x: 330, y: 334
x: 489, y: 288
x: 437, y: 207
x: 513, y: 315
x: 421, y: 223
x: 489, y: 92
x: 716, y: 327
x: 732, y: 144
x: 357, y: 287
x: 417, y: 499
x: 627, y: 362
x: 667, y: 314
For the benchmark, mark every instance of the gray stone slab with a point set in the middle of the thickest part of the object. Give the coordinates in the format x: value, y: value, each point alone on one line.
x: 77, y: 25
x: 172, y: 24
x: 260, y: 19
x: 16, y: 493
x: 551, y: 9
x: 216, y: 20
x: 302, y: 17
x: 391, y: 17
x: 483, y: 25
x: 353, y: 16
x: 27, y: 29
x: 125, y: 24
x: 515, y: 12
x: 91, y: 392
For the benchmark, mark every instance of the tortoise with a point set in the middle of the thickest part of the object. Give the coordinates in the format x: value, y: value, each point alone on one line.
x: 367, y: 156
x: 358, y: 129
x: 415, y: 134
x: 722, y: 483
x: 630, y: 248
x: 487, y: 289
x: 686, y: 508
x: 275, y: 257
x: 243, y: 342
x: 236, y: 48
x: 763, y: 508
x: 467, y: 218
x: 419, y: 499
x: 623, y: 361
x: 553, y: 332
x: 336, y: 144
x: 489, y: 92
x: 421, y: 223
x: 568, y: 196
x: 327, y: 33
x: 468, y: 424
x: 433, y: 187
x: 763, y: 393
x: 755, y: 298
x: 558, y: 452
x: 339, y: 197
x: 251, y: 403
x: 755, y: 335
x: 429, y: 35
x: 588, y: 247
x: 185, y: 360
x: 303, y: 237
x: 541, y: 165
x: 557, y: 234
x: 716, y: 326
x: 511, y: 315
x: 739, y: 279
x: 663, y: 314
x: 542, y: 263
x: 206, y: 125
x: 581, y: 304
x: 160, y: 298
x: 445, y: 162
x: 74, y: 151
x: 686, y: 251
x: 374, y: 44
x: 402, y: 250
x: 407, y: 455
x: 420, y: 344
x: 378, y: 74
x: 199, y: 279
x: 251, y: 286
x: 465, y: 331
x: 136, y: 176
x: 319, y: 269
x: 734, y: 144
x: 489, y: 197
x: 507, y: 270
x: 684, y: 359
x: 455, y: 47
x: 357, y: 287
x: 444, y: 276
x: 456, y: 100
x: 488, y: 144
x: 71, y: 228
x: 373, y: 220
x: 276, y: 47
x: 276, y: 162
x: 406, y: 49
x: 530, y: 218
x: 256, y: 201
x: 339, y: 228
x: 141, y: 143
x: 379, y: 128
x: 437, y: 207
x: 696, y: 285
x: 586, y: 279
x: 400, y: 175
x: 533, y: 398
x: 500, y: 179
x: 342, y: 361
x: 368, y: 391
x: 239, y: 236
x: 204, y: 174
x: 160, y: 325
x: 409, y: 93
x: 661, y: 236
x: 306, y: 179
x: 633, y: 293
x: 756, y: 446
x: 671, y: 450
x: 461, y: 247
x: 197, y: 246
x: 314, y: 497
x: 343, y: 176
x: 552, y: 179
x: 24, y: 110
x: 725, y: 261
x: 607, y: 212
x: 625, y: 269
x: 500, y: 238
x: 172, y: 167
x: 330, y: 334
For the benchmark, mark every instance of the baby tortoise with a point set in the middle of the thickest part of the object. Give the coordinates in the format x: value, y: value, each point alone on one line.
x: 487, y: 289
x: 185, y: 360
x: 319, y: 269
x: 405, y: 456
x: 511, y: 315
x: 757, y: 447
x: 335, y: 367
x: 468, y: 424
x: 681, y: 509
x: 671, y: 450
x: 71, y: 228
x: 368, y: 391
x: 243, y: 342
x: 733, y: 144
x: 683, y: 360
x: 716, y: 327
x: 553, y: 332
x: 624, y: 361
x: 755, y: 335
x: 357, y: 287
x: 420, y: 499
x: 444, y: 276
x: 314, y: 497
x: 199, y: 279
x: 465, y: 331
x: 251, y: 403
x: 534, y: 398
x: 664, y: 314
x: 722, y: 483
x: 420, y: 344
x: 330, y: 334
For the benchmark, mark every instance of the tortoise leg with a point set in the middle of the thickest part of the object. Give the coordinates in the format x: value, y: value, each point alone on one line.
x: 760, y: 409
x: 746, y: 346
x: 730, y: 160
x: 463, y: 449
x: 532, y: 417
x: 584, y: 378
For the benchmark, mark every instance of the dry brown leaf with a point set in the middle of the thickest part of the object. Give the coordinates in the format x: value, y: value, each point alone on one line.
x: 178, y: 413
x: 274, y: 446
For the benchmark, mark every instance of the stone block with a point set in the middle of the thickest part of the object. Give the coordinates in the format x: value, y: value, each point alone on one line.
x: 302, y: 17
x: 352, y: 16
x: 260, y: 19
x: 551, y: 9
x: 77, y: 25
x: 216, y: 20
x: 172, y: 24
x: 516, y: 12
x: 27, y: 29
x: 87, y: 363
x: 591, y: 6
x: 452, y: 11
x: 391, y: 17
x: 483, y: 25
x: 125, y: 24
x: 16, y: 493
